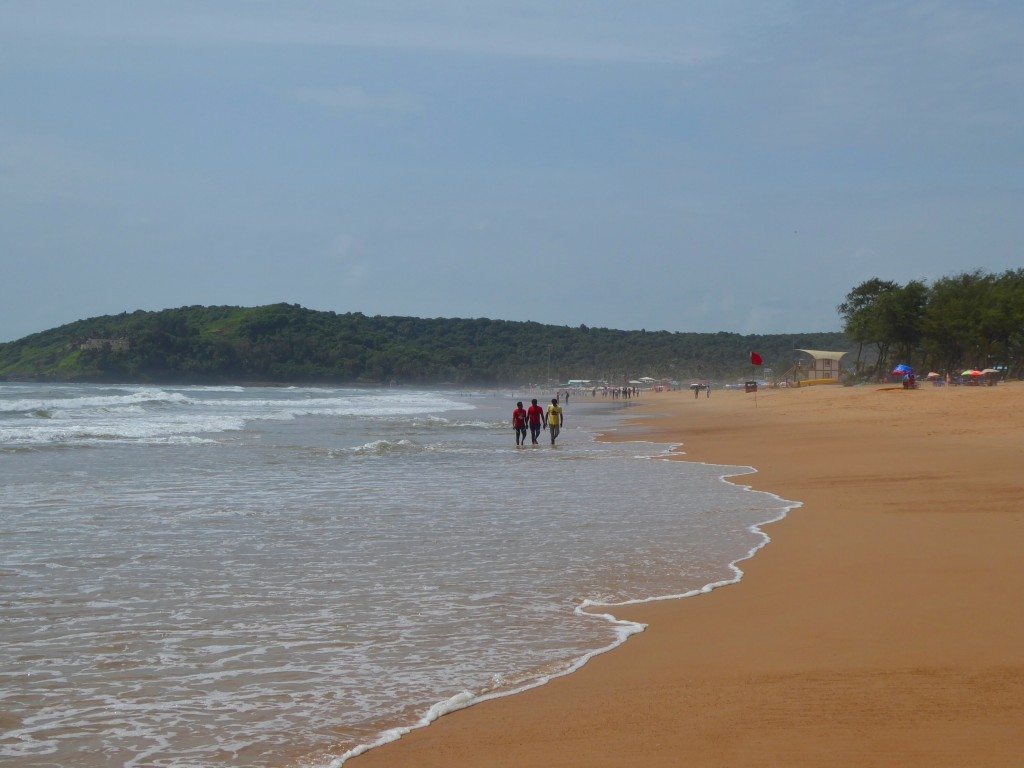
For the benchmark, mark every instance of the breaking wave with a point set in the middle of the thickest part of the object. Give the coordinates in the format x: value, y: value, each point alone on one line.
x: 87, y: 415
x: 385, y: 447
x: 147, y: 396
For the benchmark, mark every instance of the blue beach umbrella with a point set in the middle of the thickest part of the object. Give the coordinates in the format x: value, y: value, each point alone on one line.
x: 902, y: 369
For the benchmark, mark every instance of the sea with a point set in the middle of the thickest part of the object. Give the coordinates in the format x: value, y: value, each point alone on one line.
x: 283, y: 576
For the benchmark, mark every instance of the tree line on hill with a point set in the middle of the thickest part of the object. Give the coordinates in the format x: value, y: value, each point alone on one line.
x: 288, y: 343
x: 969, y: 320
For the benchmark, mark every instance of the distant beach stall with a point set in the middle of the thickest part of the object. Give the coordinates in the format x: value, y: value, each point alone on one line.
x: 819, y: 367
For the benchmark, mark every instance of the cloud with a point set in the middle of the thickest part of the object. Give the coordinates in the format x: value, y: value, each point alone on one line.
x: 347, y: 98
x: 347, y: 263
x: 36, y: 169
x: 573, y: 31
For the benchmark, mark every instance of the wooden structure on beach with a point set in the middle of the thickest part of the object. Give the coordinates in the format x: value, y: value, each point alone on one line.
x: 823, y: 367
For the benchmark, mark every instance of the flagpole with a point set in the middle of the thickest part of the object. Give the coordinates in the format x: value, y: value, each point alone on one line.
x: 755, y: 361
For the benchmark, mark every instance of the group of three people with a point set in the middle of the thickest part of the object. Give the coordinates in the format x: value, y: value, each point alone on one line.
x: 536, y: 419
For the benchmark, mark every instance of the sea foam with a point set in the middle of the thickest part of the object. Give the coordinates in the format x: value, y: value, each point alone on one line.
x: 312, y: 579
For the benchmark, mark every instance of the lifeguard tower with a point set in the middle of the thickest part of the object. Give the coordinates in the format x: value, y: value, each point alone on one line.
x: 817, y: 366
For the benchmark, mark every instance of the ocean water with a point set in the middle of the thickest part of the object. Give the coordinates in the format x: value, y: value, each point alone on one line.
x: 212, y: 576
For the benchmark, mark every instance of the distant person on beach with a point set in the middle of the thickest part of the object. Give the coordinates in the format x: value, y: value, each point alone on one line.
x: 707, y: 389
x: 519, y: 417
x: 535, y: 417
x: 555, y: 419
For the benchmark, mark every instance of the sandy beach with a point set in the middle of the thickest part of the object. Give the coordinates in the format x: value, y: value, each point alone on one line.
x: 883, y: 626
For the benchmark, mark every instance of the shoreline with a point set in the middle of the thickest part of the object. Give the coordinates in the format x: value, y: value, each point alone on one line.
x: 624, y: 628
x: 729, y: 680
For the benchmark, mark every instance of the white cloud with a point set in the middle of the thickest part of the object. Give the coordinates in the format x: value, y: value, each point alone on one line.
x: 38, y: 169
x: 573, y: 31
x: 347, y: 98
x: 347, y: 261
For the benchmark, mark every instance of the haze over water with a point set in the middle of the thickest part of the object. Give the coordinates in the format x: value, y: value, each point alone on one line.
x: 203, y: 576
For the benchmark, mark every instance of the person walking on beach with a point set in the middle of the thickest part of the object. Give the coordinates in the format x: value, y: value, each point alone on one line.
x: 555, y: 419
x: 519, y: 417
x: 535, y: 418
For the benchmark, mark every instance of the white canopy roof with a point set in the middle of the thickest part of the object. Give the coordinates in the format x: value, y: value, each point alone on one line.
x: 819, y: 354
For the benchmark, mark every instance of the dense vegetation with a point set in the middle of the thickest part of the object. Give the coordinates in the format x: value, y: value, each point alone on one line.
x: 287, y: 343
x: 970, y: 320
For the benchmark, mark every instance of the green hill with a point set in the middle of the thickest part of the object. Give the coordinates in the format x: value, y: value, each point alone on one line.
x: 287, y: 343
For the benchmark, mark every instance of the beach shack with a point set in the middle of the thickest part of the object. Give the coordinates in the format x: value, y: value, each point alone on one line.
x: 818, y: 366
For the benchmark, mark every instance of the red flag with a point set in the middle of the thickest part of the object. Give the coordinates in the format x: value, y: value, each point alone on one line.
x: 755, y: 359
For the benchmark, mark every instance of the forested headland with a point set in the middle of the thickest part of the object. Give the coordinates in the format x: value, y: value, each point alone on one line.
x: 970, y: 320
x: 287, y: 343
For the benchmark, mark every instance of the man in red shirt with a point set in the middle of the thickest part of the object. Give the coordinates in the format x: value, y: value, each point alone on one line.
x: 535, y: 416
x: 519, y: 417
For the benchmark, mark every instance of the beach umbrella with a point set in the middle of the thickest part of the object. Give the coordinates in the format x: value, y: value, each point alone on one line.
x: 971, y: 373
x: 989, y: 371
x: 932, y: 376
x: 902, y: 369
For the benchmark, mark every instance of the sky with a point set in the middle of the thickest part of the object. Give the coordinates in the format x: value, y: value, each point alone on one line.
x: 725, y: 166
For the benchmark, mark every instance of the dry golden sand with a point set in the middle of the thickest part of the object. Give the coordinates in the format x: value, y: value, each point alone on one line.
x: 883, y: 626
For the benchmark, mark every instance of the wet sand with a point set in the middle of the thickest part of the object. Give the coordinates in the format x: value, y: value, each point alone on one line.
x: 883, y: 626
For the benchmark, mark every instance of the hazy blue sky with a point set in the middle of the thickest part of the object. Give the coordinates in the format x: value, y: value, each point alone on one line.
x: 689, y: 166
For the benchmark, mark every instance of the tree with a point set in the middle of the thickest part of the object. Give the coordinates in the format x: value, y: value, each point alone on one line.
x: 861, y: 313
